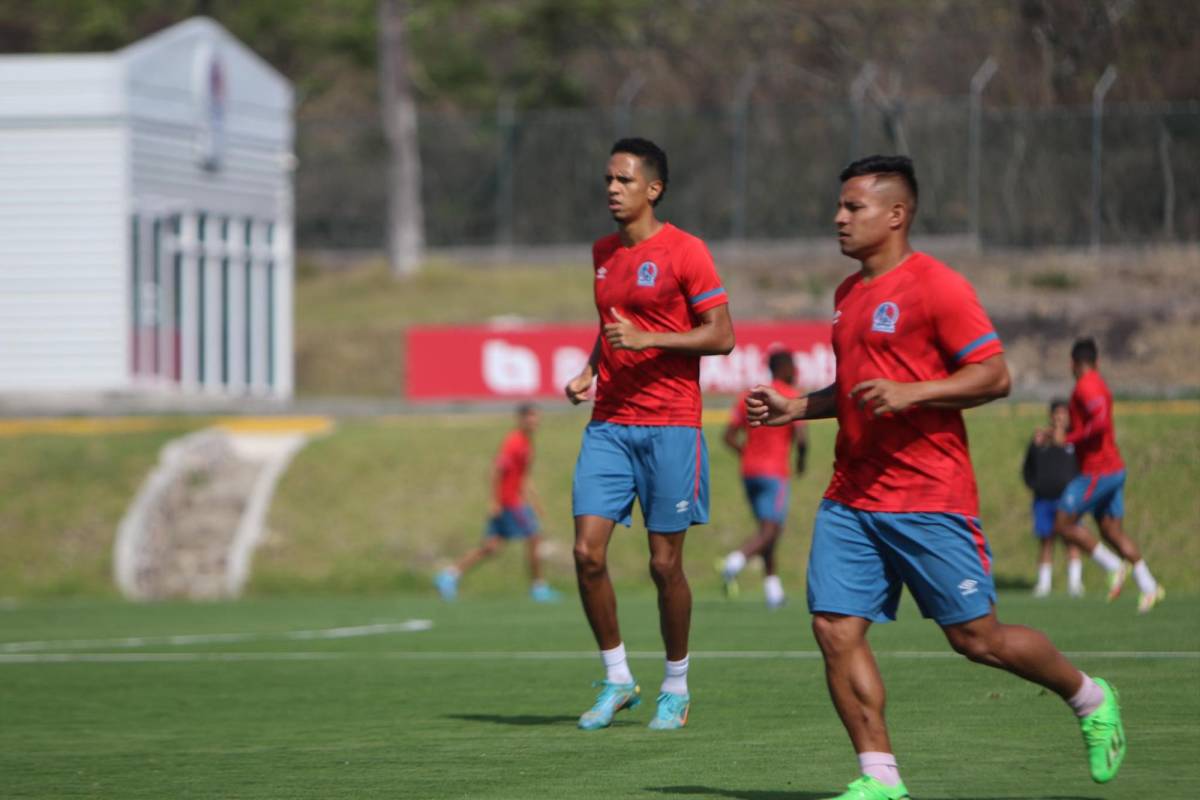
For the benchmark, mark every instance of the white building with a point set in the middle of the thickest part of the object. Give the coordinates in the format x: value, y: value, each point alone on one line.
x: 146, y: 219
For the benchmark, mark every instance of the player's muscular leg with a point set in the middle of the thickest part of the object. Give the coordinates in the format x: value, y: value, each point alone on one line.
x: 533, y: 546
x: 1025, y: 652
x: 1067, y: 527
x: 486, y: 550
x: 591, y: 571
x: 764, y: 540
x: 1112, y: 529
x: 674, y: 594
x: 853, y: 679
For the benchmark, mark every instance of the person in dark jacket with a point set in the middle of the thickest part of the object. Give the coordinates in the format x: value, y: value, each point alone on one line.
x: 1049, y: 467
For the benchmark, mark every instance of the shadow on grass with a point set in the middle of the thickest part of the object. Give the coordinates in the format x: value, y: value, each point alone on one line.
x: 740, y: 794
x: 515, y: 719
x: 772, y: 794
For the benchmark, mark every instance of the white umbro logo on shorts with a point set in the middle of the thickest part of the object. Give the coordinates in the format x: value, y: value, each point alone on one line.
x: 681, y: 506
x: 968, y: 587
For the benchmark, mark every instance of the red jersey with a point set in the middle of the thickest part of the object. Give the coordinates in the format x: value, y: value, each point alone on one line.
x: 513, y: 462
x: 921, y: 321
x: 768, y: 449
x: 1092, y: 430
x: 661, y: 284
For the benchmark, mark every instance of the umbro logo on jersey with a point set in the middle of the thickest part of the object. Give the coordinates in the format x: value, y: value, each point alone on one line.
x: 837, y: 315
x: 647, y: 273
x: 885, y: 316
x: 602, y: 273
x: 681, y: 507
x: 968, y: 587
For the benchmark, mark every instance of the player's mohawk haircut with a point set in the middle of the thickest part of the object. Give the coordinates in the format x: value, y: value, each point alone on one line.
x: 652, y: 156
x: 897, y: 166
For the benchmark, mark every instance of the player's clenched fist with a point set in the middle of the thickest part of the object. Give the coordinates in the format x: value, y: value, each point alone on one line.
x: 765, y: 406
x: 578, y: 387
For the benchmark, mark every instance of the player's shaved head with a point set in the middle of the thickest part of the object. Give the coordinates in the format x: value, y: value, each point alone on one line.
x: 892, y: 176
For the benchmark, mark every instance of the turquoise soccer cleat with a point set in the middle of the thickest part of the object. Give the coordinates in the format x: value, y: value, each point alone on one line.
x: 446, y: 582
x: 541, y: 593
x: 1104, y: 736
x: 672, y: 712
x: 868, y: 788
x: 613, y: 697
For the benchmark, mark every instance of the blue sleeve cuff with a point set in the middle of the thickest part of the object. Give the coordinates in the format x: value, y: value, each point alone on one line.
x: 720, y: 290
x: 975, y: 345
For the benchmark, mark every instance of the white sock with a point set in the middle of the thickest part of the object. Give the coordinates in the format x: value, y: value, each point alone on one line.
x: 1044, y: 575
x: 880, y: 766
x: 1145, y: 581
x: 1106, y: 558
x: 773, y: 589
x: 735, y: 562
x: 1089, y: 697
x: 675, y: 681
x: 616, y: 668
x: 1075, y: 574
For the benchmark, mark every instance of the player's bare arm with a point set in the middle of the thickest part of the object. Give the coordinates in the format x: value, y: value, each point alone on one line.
x: 577, y: 388
x: 766, y: 406
x: 712, y: 337
x: 734, y: 438
x: 971, y: 385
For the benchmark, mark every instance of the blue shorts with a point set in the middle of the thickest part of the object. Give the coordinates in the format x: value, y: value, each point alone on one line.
x: 860, y: 560
x: 518, y: 522
x: 1043, y: 517
x: 1103, y: 495
x: 768, y: 497
x: 664, y: 466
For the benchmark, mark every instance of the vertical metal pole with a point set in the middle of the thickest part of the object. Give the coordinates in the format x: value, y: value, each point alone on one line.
x: 505, y: 123
x: 858, y: 96
x: 741, y: 113
x: 1098, y: 91
x: 979, y: 82
x: 625, y: 97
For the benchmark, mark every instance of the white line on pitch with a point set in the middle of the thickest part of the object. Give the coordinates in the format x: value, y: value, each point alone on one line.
x: 408, y: 626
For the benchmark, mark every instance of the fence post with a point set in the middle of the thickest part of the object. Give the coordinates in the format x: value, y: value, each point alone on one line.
x: 741, y: 113
x: 1098, y: 91
x: 979, y: 82
x: 858, y: 96
x: 506, y: 118
x: 625, y: 97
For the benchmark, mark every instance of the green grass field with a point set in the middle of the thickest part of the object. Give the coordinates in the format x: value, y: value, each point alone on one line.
x: 483, y: 704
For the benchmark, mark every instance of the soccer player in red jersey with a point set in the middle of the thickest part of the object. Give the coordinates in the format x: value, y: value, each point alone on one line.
x: 661, y: 308
x: 914, y: 347
x: 765, y: 455
x: 510, y: 515
x: 1100, y: 485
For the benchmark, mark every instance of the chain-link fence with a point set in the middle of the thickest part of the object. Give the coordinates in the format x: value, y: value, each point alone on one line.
x: 768, y: 172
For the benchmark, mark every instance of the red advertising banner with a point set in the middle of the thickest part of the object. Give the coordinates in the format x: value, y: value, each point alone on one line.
x: 488, y: 362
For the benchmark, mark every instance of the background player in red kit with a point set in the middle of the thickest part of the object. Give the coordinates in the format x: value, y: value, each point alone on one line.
x: 765, y: 455
x: 661, y: 308
x: 913, y: 347
x: 1100, y: 485
x: 510, y: 515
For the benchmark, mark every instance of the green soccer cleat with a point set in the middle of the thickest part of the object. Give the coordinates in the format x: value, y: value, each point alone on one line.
x: 1104, y: 735
x: 868, y: 788
x: 1148, y: 600
x: 613, y: 697
x: 1116, y: 581
x: 672, y: 712
x: 729, y: 583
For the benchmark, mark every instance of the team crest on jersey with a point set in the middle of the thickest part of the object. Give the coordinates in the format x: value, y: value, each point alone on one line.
x: 647, y: 273
x: 884, y: 319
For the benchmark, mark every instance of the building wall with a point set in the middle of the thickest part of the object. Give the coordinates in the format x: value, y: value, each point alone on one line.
x: 63, y: 252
